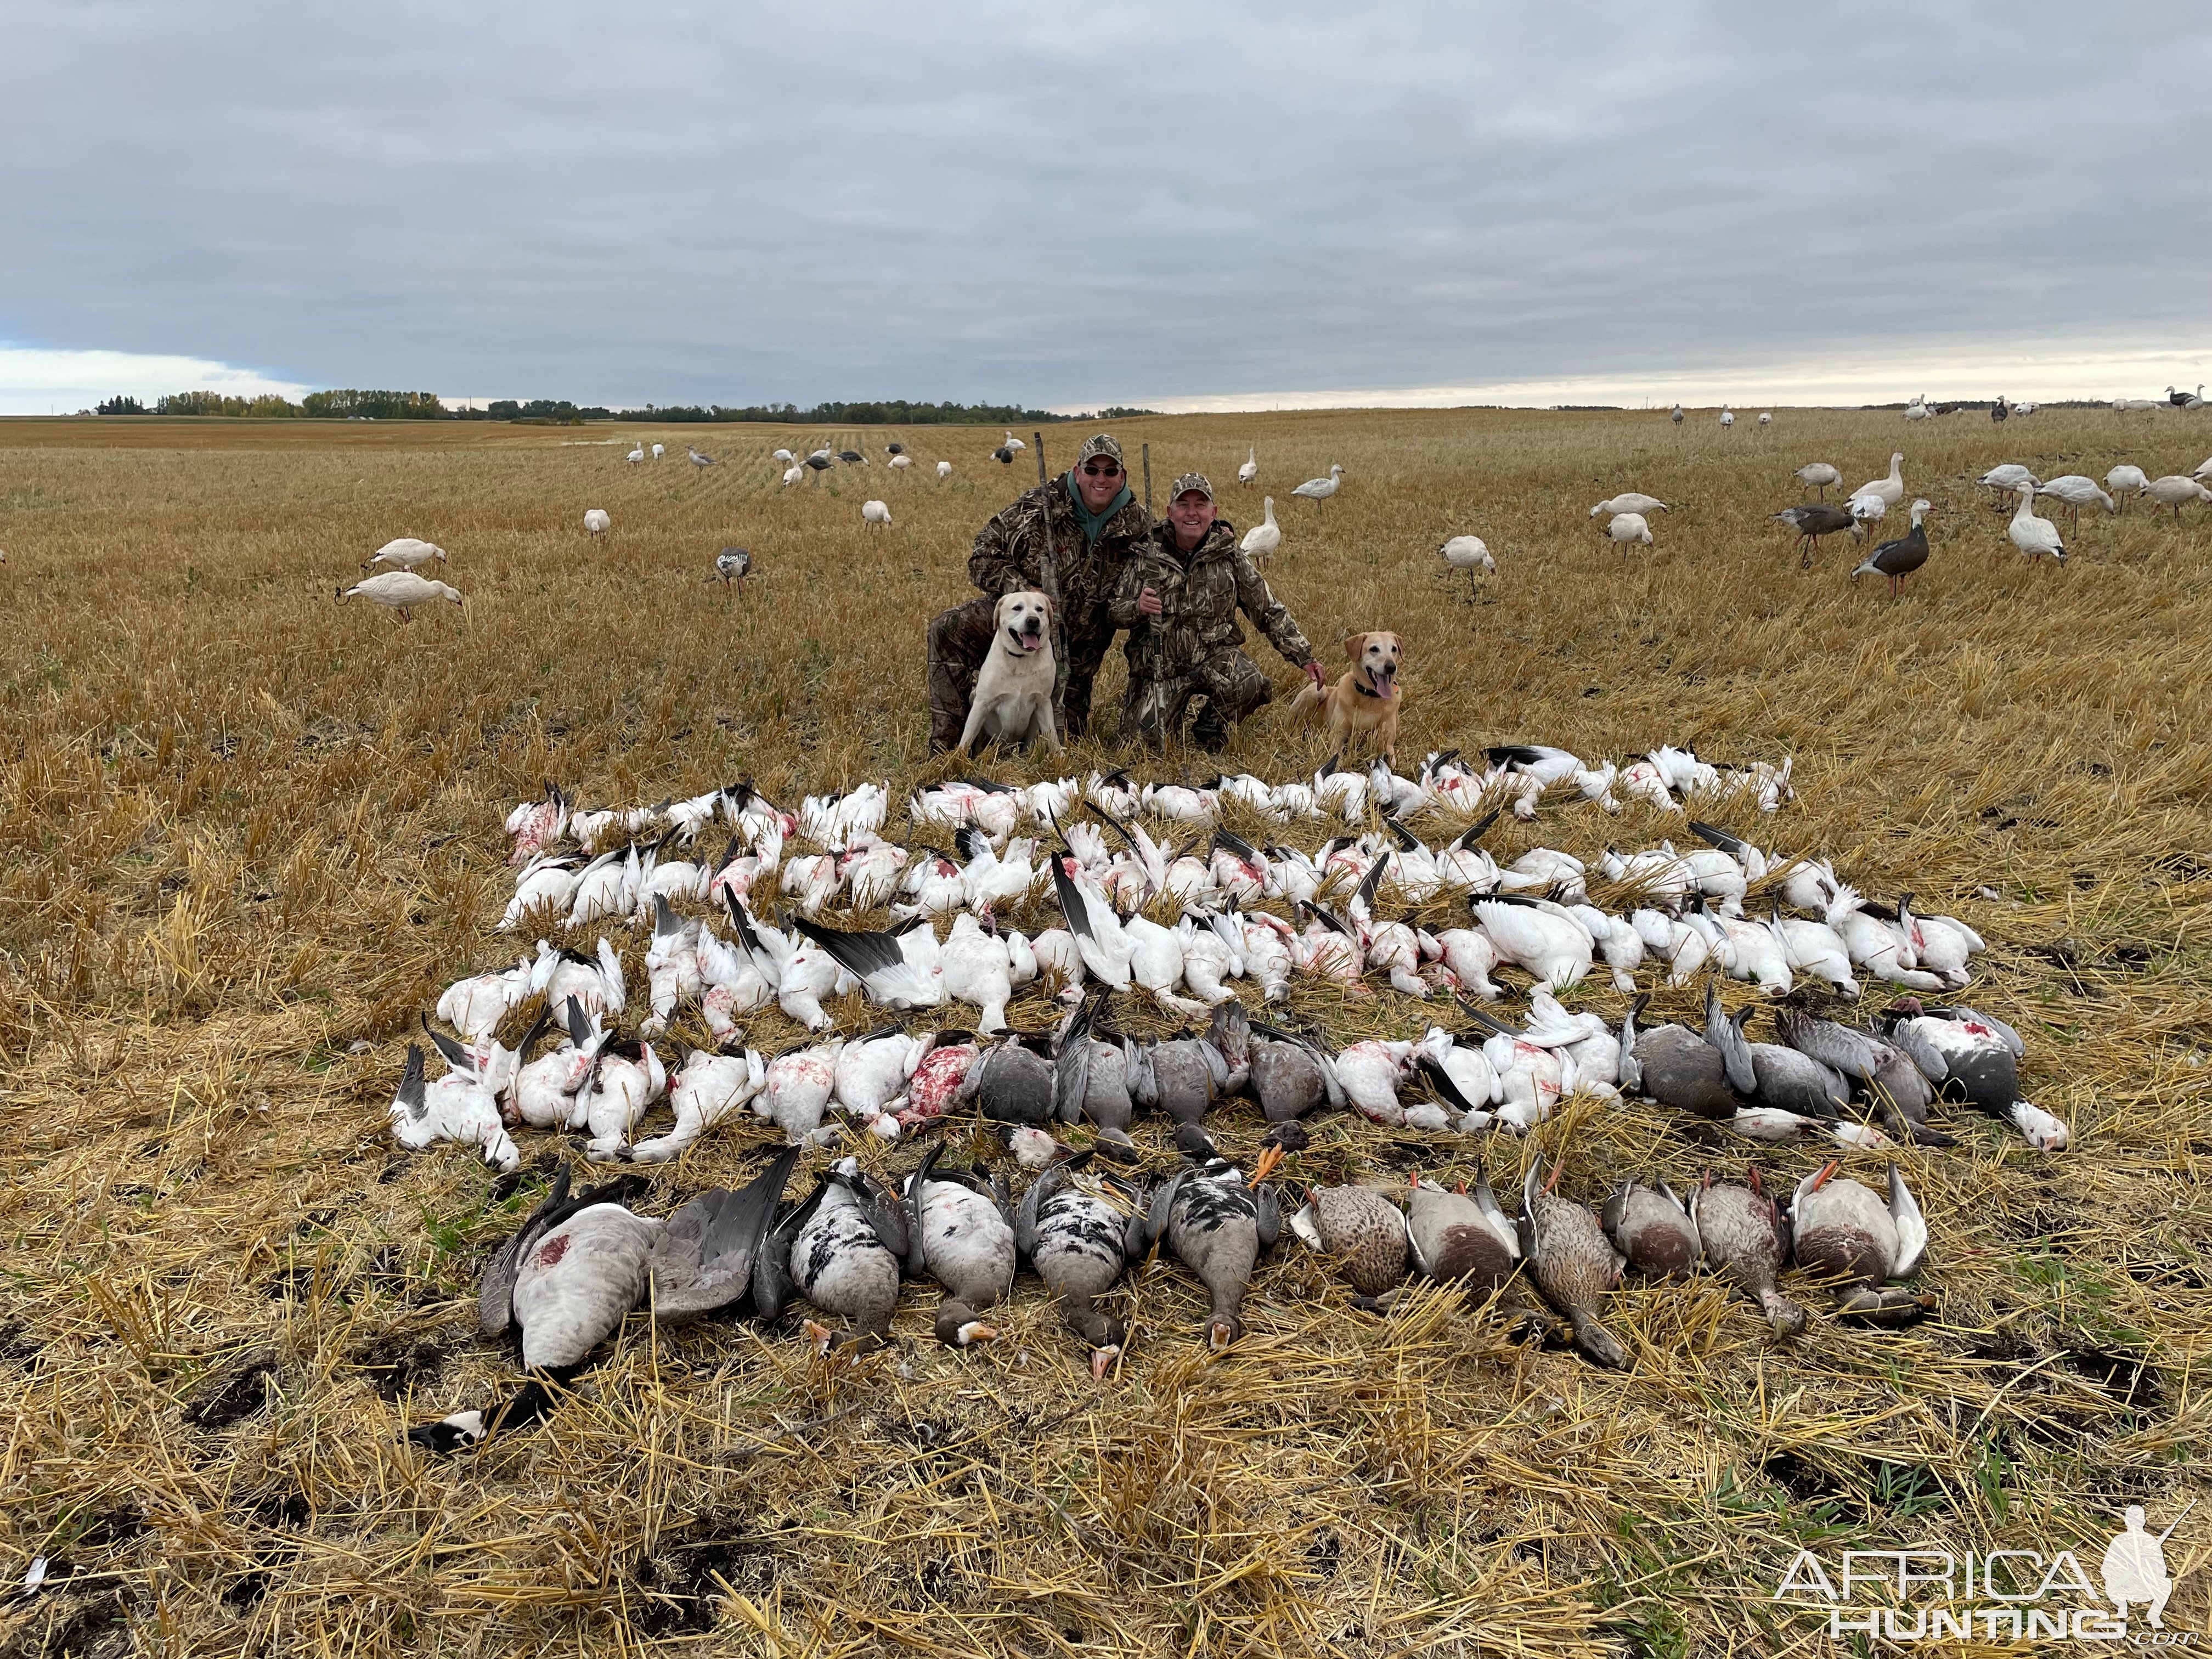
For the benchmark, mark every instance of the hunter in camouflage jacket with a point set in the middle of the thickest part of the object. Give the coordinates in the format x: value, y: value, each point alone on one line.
x: 1193, y: 647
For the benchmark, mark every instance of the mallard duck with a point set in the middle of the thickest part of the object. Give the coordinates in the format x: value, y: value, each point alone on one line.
x: 1652, y: 1229
x: 1360, y: 1230
x: 1456, y: 1237
x: 1573, y: 1264
x: 1842, y: 1233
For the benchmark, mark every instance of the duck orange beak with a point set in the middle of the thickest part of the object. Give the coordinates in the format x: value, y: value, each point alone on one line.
x: 1552, y: 1181
x: 1822, y: 1179
x: 1268, y: 1159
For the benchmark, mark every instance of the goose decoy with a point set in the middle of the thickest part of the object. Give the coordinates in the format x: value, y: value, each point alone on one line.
x: 1652, y: 1229
x: 698, y: 459
x: 1360, y: 1230
x: 1973, y: 1058
x: 852, y: 458
x: 2174, y: 490
x: 894, y: 449
x: 1004, y: 455
x: 406, y: 553
x: 1819, y: 475
x: 1842, y: 1234
x: 1676, y: 415
x: 577, y: 1266
x: 1264, y: 539
x: 1745, y: 1238
x: 402, y: 591
x: 1250, y: 469
x: 2009, y: 479
x: 1319, y: 489
x: 960, y: 1231
x: 1010, y: 1084
x: 1571, y: 1262
x: 1629, y: 500
x: 1811, y: 522
x: 1217, y: 1223
x: 841, y: 1250
x: 819, y: 462
x: 1456, y: 1238
x: 2033, y: 536
x: 733, y: 564
x: 2125, y: 481
x: 1890, y: 487
x: 1896, y: 560
x: 1999, y: 410
x: 1078, y: 1243
x: 2076, y: 492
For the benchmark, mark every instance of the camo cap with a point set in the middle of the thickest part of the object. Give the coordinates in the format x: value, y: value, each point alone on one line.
x: 1197, y: 481
x: 1099, y: 443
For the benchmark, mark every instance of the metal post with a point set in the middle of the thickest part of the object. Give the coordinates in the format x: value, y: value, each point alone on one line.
x: 1148, y: 480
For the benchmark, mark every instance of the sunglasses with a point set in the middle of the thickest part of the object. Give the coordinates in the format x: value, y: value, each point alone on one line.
x: 1102, y: 470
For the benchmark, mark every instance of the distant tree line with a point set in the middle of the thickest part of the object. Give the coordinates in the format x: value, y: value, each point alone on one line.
x: 351, y: 405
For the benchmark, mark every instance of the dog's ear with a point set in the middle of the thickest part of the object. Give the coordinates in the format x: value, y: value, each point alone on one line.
x: 1396, y: 645
x: 998, y: 610
x: 1351, y: 645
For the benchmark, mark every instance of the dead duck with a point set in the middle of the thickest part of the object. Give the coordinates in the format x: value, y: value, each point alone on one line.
x: 1362, y: 1232
x: 1707, y: 1075
x: 960, y: 1231
x: 1846, y: 1236
x: 1651, y: 1227
x: 1974, y: 1058
x: 1217, y: 1223
x: 842, y: 1249
x: 1077, y: 1243
x: 1745, y: 1240
x: 1454, y: 1238
x: 577, y: 1266
x: 1573, y: 1264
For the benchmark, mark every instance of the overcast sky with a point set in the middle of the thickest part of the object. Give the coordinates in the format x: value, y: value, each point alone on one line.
x: 1173, y: 205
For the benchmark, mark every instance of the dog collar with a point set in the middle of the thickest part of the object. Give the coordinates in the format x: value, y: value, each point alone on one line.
x: 1365, y: 692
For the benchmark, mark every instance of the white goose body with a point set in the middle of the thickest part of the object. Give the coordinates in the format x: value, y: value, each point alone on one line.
x: 1319, y: 489
x: 2033, y: 536
x: 1262, y: 539
x: 706, y: 1090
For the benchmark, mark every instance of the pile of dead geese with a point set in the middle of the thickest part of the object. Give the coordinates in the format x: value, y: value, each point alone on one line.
x: 1214, y: 930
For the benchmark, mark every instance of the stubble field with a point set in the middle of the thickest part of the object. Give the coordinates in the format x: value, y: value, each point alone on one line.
x: 244, y: 830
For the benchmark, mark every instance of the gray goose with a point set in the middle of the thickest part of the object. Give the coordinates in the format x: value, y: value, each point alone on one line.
x: 1974, y: 1058
x: 1011, y: 1084
x: 577, y: 1266
x: 961, y: 1232
x: 1886, y: 1073
x: 1747, y: 1240
x: 841, y: 1250
x: 1573, y: 1264
x: 1184, y: 1076
x: 1217, y: 1223
x: 1288, y: 1077
x: 1845, y: 1235
x: 1811, y: 522
x: 1079, y: 1244
x: 1704, y: 1076
x: 1783, y: 1077
x: 1896, y: 560
x: 1090, y: 1076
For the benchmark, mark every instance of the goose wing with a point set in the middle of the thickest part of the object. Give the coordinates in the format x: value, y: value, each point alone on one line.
x: 704, y: 1259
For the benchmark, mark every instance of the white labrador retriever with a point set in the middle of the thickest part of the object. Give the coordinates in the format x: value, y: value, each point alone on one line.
x: 1013, y: 692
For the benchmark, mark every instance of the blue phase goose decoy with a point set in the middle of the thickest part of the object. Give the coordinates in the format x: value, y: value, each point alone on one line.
x: 1842, y: 1234
x: 1898, y: 559
x: 1974, y: 1058
x: 1745, y: 1238
x: 733, y: 564
x: 960, y: 1231
x: 1811, y: 522
x: 1571, y: 1262
x: 1078, y: 1242
x: 1652, y: 1228
x: 577, y: 1266
x: 841, y: 1250
x: 1217, y: 1223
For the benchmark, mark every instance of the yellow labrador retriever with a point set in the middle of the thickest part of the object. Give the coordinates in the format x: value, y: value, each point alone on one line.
x: 1361, y: 709
x: 1013, y: 693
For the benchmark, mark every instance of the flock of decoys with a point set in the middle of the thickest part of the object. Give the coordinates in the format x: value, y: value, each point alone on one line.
x: 1195, y: 932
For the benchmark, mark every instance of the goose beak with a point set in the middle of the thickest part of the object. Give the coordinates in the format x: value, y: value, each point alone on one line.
x: 1103, y: 1361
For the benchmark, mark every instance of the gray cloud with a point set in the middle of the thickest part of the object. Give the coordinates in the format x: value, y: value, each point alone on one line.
x: 1134, y: 201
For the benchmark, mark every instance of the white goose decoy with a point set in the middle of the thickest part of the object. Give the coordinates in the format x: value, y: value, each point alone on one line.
x: 1319, y: 489
x: 1917, y: 410
x: 1629, y: 527
x: 1676, y: 417
x: 898, y: 461
x: 406, y: 553
x: 792, y: 474
x: 597, y: 521
x: 403, y: 590
x: 1890, y: 488
x: 876, y: 513
x: 697, y: 460
x: 783, y: 457
x: 657, y: 452
x: 1014, y: 443
x: 1630, y: 500
x: 2173, y: 490
x: 2125, y: 481
x: 1866, y: 508
x: 1467, y: 553
x: 1819, y: 475
x: 635, y: 455
x: 1262, y: 539
x: 1250, y: 469
x: 2033, y: 536
x: 2077, y: 492
x: 1766, y: 419
x: 2202, y: 471
x: 944, y: 468
x: 1728, y: 418
x: 2011, y: 476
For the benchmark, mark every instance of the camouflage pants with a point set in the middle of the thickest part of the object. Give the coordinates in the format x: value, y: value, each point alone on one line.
x: 1230, y: 683
x: 960, y: 639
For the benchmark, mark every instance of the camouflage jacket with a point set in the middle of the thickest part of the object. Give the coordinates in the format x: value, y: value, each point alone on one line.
x: 1201, y: 594
x: 1006, y: 557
